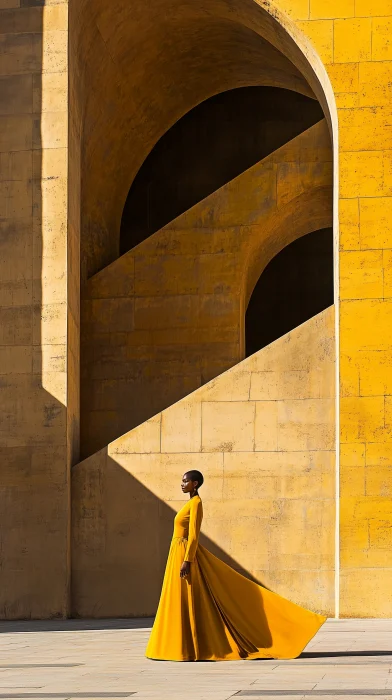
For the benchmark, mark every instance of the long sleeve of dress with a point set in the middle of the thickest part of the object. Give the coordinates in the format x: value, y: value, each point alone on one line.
x: 196, y: 516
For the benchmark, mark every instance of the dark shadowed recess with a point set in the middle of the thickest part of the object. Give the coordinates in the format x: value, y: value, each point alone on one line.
x: 215, y: 142
x: 296, y: 285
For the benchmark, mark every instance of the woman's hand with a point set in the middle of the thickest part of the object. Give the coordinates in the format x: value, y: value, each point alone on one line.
x: 185, y: 569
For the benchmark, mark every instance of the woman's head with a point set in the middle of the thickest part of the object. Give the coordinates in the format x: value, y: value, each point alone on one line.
x: 191, y: 481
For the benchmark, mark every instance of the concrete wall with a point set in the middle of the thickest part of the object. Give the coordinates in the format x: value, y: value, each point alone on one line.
x: 210, y: 46
x: 212, y: 144
x: 351, y: 41
x: 263, y: 435
x: 34, y: 464
x: 169, y: 315
x: 128, y: 103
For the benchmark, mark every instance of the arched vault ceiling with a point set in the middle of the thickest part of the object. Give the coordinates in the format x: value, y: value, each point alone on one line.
x: 139, y: 67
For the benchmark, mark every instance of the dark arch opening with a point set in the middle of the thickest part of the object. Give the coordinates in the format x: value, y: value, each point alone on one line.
x: 296, y: 285
x: 212, y: 144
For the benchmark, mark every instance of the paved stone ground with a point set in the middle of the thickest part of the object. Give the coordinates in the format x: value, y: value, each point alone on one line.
x: 105, y: 659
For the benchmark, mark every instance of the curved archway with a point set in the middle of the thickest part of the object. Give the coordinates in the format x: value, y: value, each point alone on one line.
x: 135, y: 75
x: 246, y: 46
x: 138, y: 70
x: 211, y: 145
x: 168, y: 315
x: 296, y: 285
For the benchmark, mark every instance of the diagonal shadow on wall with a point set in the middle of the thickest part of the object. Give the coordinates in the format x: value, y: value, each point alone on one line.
x: 210, y: 145
x: 121, y: 537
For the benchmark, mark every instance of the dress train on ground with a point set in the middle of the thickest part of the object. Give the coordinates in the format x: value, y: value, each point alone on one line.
x: 216, y: 614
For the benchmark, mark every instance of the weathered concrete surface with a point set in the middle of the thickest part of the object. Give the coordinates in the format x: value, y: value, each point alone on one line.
x: 212, y: 144
x: 263, y: 435
x: 208, y: 48
x: 120, y: 45
x: 99, y: 659
x: 34, y: 449
x: 169, y: 315
x: 352, y: 41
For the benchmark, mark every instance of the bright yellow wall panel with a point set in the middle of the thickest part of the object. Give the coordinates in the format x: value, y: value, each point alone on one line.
x: 375, y: 371
x: 379, y: 454
x: 373, y: 8
x: 359, y: 586
x: 382, y: 39
x: 349, y: 224
x: 380, y: 534
x: 368, y: 507
x: 362, y: 418
x: 349, y: 376
x: 352, y: 482
x: 361, y: 275
x: 360, y: 71
x: 344, y: 76
x: 379, y: 481
x: 347, y: 100
x: 352, y: 40
x: 331, y: 9
x: 352, y: 454
x: 375, y: 83
x: 365, y: 325
x: 365, y: 129
x: 365, y: 174
x: 320, y: 32
x: 297, y: 9
x: 387, y: 265
x: 375, y: 215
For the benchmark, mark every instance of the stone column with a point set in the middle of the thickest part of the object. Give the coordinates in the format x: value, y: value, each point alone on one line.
x: 35, y: 454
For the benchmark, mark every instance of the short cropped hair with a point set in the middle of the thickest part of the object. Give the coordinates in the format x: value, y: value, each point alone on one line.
x: 194, y: 475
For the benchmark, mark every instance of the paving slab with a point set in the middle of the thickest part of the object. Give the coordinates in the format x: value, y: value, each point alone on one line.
x: 104, y: 660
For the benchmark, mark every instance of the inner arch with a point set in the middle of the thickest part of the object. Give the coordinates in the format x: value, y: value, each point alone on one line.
x: 136, y: 71
x: 211, y: 145
x: 137, y: 68
x: 296, y: 285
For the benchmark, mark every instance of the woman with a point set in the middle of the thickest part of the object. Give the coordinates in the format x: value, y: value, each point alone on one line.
x: 208, y: 611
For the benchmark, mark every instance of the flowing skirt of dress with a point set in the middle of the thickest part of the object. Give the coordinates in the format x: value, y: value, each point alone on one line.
x: 217, y: 614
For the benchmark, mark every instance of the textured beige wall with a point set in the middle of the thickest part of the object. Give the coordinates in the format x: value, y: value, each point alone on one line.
x: 263, y: 435
x: 34, y: 478
x: 124, y: 104
x: 42, y: 189
x: 169, y: 315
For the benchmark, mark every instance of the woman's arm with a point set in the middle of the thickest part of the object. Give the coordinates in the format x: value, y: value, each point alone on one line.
x: 196, y: 516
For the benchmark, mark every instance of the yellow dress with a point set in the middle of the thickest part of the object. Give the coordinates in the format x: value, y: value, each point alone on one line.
x: 216, y: 614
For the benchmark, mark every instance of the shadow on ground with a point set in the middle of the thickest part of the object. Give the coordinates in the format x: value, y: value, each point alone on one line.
x: 74, y: 625
x: 342, y: 654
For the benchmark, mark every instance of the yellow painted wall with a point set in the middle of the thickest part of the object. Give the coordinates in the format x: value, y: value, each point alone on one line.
x: 353, y: 40
x: 263, y: 434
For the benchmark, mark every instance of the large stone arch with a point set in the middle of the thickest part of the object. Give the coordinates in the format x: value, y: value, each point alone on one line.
x: 137, y: 69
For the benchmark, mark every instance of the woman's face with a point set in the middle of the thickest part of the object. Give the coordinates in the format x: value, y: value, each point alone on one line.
x: 187, y: 486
